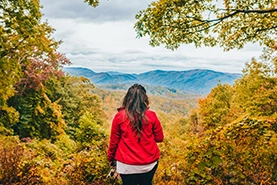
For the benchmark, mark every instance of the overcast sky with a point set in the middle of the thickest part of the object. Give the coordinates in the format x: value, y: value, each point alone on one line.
x: 103, y: 39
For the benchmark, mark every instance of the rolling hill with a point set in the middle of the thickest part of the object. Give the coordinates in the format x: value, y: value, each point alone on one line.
x: 196, y: 81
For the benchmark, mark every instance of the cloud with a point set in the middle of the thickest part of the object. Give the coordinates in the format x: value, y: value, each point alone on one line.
x: 108, y: 10
x: 103, y: 39
x: 143, y: 61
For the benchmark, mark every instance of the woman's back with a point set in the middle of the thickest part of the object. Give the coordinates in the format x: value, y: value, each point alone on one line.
x: 134, y: 136
x: 134, y: 150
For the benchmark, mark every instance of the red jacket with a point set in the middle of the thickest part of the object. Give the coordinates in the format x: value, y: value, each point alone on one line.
x: 124, y: 145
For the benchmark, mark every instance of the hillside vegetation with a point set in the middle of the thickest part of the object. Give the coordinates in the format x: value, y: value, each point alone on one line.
x: 58, y: 133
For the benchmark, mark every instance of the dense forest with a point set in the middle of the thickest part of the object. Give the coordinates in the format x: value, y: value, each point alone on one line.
x: 54, y: 128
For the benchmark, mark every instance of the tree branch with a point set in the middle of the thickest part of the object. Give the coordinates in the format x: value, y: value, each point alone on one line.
x: 235, y: 11
x: 219, y: 20
x: 251, y: 11
x: 264, y: 29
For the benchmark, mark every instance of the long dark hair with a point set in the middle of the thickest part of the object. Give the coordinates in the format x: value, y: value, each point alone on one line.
x: 136, y: 102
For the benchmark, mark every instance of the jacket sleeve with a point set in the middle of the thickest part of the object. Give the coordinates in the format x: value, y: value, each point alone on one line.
x: 114, y: 138
x: 158, y: 130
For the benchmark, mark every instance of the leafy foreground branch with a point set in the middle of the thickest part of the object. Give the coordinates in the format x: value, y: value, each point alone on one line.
x: 229, y: 24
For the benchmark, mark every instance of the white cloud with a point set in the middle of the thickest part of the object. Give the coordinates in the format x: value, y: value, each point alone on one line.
x: 108, y: 10
x: 103, y: 39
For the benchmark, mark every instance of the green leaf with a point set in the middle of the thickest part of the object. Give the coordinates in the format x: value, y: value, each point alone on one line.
x: 216, y: 160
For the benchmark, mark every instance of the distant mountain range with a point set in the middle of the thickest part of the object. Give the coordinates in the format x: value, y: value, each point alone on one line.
x: 196, y: 81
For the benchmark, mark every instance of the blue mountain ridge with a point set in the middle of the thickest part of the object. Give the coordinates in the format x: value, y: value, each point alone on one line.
x: 195, y: 81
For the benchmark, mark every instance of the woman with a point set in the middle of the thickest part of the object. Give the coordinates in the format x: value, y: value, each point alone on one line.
x: 135, y: 131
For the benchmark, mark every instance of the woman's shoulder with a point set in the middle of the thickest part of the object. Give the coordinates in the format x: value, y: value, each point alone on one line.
x: 120, y: 115
x: 150, y: 112
x: 121, y: 112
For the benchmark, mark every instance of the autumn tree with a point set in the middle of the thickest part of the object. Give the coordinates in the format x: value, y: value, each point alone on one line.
x: 229, y: 24
x: 76, y: 96
x: 256, y: 93
x: 214, y: 108
x: 23, y: 39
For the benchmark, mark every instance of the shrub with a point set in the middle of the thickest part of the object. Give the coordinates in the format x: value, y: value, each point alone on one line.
x: 16, y: 165
x: 243, y: 152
